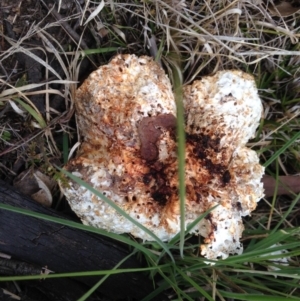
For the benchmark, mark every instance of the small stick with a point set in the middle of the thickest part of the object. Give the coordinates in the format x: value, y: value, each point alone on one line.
x: 286, y: 185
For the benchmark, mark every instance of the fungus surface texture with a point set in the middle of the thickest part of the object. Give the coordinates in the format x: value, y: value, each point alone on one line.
x: 126, y: 117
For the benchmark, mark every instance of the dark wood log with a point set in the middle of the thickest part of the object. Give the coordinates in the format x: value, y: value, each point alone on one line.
x: 65, y: 249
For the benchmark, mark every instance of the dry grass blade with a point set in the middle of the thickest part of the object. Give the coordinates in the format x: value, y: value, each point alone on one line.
x: 95, y: 12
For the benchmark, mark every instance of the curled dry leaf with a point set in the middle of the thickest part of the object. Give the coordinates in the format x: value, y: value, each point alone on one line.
x: 126, y: 116
x: 36, y: 185
x: 283, y: 8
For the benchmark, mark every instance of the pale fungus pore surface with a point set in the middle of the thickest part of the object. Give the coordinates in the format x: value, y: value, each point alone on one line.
x: 126, y: 117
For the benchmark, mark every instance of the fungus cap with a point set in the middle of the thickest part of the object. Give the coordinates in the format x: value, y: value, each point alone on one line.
x: 126, y: 116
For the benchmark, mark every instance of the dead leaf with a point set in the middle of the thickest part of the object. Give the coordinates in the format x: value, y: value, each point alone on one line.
x: 36, y: 185
x: 283, y: 8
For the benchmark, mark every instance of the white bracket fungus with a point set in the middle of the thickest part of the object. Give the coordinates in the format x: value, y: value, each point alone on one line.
x: 126, y: 116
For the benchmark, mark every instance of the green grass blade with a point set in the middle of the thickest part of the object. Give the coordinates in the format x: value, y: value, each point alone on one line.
x: 175, y: 239
x: 194, y: 284
x: 282, y: 149
x: 177, y: 77
x: 100, y: 50
x: 286, y: 213
x: 37, y: 116
x: 80, y: 274
x: 92, y: 289
x: 264, y: 273
x: 156, y: 292
x: 252, y: 297
x: 176, y: 288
